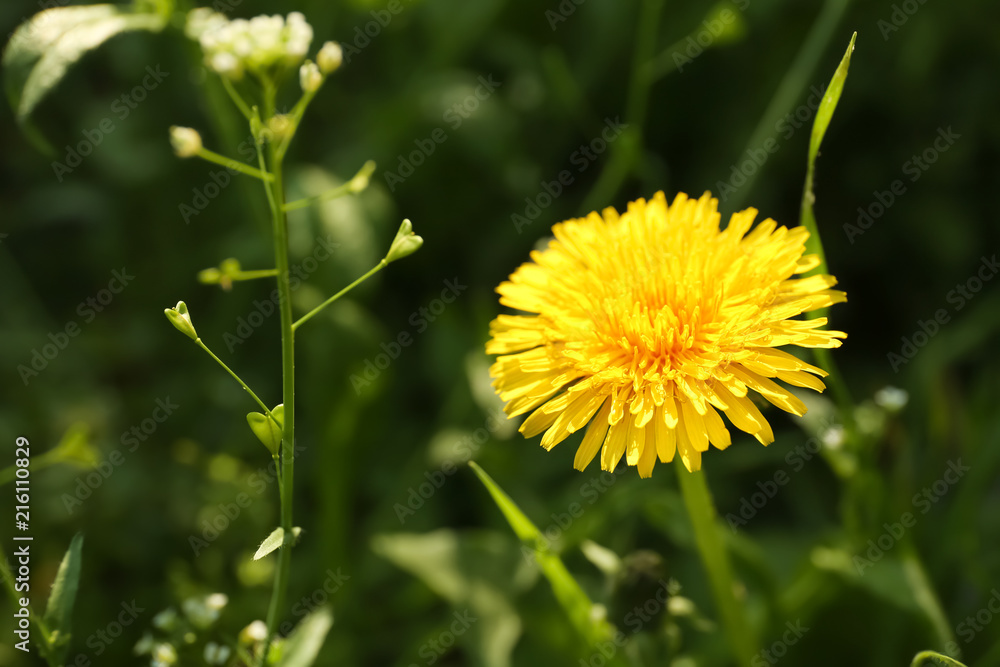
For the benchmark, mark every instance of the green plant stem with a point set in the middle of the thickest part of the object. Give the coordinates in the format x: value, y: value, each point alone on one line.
x: 243, y: 384
x: 253, y: 275
x: 305, y: 318
x: 212, y: 156
x: 9, y: 474
x: 698, y: 500
x: 235, y: 96
x: 357, y: 183
x: 276, y: 198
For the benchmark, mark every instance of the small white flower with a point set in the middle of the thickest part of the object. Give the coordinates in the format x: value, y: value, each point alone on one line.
x: 226, y: 63
x: 255, y: 632
x: 310, y: 78
x: 833, y: 437
x: 892, y: 399
x: 186, y: 141
x: 164, y: 654
x: 330, y: 57
x: 216, y: 601
x: 202, y: 20
x: 216, y: 654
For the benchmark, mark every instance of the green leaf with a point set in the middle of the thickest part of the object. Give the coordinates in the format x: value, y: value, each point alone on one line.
x: 303, y: 645
x: 275, y: 541
x: 823, y: 116
x: 59, y: 610
x: 42, y: 49
x: 571, y: 597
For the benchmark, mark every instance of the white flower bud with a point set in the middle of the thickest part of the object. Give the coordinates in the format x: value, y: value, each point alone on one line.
x: 330, y: 57
x: 186, y: 141
x: 310, y: 77
x: 253, y: 633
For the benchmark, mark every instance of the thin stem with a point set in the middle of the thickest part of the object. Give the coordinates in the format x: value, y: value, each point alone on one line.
x: 276, y: 196
x: 229, y: 163
x: 308, y: 316
x: 243, y: 384
x: 9, y: 474
x: 236, y: 97
x: 253, y: 275
x: 357, y: 183
x: 296, y: 116
x: 698, y: 500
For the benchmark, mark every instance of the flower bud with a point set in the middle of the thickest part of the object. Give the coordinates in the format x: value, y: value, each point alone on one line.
x: 186, y: 142
x: 310, y: 77
x: 179, y: 317
x: 253, y: 633
x: 164, y: 654
x: 406, y: 243
x: 330, y: 57
x: 279, y: 125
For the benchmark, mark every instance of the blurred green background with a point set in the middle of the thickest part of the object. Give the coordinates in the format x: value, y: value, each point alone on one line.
x: 555, y: 73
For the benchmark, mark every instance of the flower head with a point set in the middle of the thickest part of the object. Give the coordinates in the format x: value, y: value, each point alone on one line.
x: 651, y: 324
x: 259, y: 45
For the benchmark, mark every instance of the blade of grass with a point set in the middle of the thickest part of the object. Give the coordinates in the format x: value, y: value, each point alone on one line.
x: 571, y: 597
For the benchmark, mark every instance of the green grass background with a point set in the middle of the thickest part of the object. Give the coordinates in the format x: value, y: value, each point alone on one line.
x: 365, y: 450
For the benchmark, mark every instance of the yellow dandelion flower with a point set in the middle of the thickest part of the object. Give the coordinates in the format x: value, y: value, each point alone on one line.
x: 649, y: 324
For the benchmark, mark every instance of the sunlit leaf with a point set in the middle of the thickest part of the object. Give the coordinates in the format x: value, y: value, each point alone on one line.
x: 305, y: 642
x: 59, y: 610
x: 275, y: 541
x: 42, y: 49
